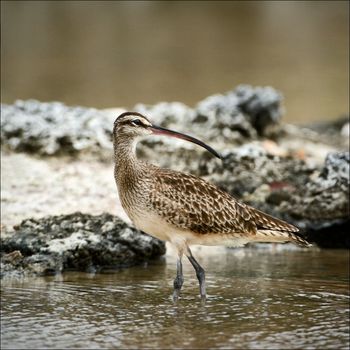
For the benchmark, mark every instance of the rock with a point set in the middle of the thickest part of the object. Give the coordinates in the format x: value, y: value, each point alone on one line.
x: 246, y: 109
x: 77, y: 241
x: 334, y: 132
x: 345, y: 131
x: 223, y: 120
x: 261, y: 104
x: 54, y: 128
x: 331, y: 234
x: 325, y: 195
x: 220, y: 117
x: 244, y: 169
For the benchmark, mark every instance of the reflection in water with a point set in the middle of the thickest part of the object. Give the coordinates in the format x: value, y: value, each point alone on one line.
x: 111, y: 54
x: 257, y: 299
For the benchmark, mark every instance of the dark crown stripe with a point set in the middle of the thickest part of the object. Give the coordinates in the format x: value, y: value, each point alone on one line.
x: 126, y: 114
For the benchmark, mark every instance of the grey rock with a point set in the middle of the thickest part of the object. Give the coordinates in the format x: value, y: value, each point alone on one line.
x: 245, y: 169
x: 76, y: 241
x: 220, y: 117
x: 333, y: 234
x: 333, y: 132
x: 36, y: 264
x: 331, y: 127
x: 54, y: 128
x: 325, y: 195
x: 246, y: 109
x: 345, y: 130
x: 261, y: 104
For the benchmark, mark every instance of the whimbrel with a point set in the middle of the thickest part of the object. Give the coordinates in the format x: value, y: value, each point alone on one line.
x: 181, y: 208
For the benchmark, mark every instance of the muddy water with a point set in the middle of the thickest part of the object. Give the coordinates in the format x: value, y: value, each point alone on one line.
x: 258, y: 298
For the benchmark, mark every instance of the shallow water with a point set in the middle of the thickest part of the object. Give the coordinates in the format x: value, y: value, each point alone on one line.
x: 258, y: 298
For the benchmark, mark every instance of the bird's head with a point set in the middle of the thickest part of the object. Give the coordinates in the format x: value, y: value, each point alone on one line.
x: 132, y: 125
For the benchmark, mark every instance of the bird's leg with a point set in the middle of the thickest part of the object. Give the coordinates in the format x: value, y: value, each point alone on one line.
x: 199, y: 272
x: 179, y: 279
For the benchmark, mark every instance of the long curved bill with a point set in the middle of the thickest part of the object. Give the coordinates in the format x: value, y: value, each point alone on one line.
x: 157, y: 130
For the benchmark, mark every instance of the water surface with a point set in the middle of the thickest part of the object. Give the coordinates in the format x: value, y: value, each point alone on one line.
x: 258, y: 298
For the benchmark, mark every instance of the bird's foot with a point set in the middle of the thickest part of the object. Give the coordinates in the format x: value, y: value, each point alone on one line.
x: 176, y: 295
x: 178, y: 282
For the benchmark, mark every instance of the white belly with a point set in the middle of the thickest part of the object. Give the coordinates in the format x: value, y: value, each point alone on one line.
x: 159, y: 228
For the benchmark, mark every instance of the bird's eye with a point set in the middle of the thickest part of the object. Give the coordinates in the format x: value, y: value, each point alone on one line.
x: 137, y: 122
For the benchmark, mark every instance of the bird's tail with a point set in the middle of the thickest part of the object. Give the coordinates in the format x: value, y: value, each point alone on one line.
x: 271, y: 229
x: 270, y: 235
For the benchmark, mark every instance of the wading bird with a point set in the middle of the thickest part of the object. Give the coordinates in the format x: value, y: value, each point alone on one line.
x: 181, y: 208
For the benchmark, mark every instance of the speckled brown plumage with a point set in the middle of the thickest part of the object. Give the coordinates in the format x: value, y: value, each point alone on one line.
x: 181, y: 208
x: 191, y: 203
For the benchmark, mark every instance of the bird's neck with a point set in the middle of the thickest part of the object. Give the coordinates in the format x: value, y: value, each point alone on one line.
x: 127, y: 165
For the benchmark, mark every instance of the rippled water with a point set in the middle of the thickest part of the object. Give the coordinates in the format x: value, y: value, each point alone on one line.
x: 258, y: 298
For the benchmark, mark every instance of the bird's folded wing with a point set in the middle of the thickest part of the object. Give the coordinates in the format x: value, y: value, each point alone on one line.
x: 189, y: 202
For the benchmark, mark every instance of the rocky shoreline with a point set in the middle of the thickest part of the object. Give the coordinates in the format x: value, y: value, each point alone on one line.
x: 77, y: 241
x: 58, y: 161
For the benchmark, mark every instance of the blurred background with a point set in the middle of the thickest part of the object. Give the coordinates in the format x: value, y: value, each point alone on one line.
x: 118, y: 53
